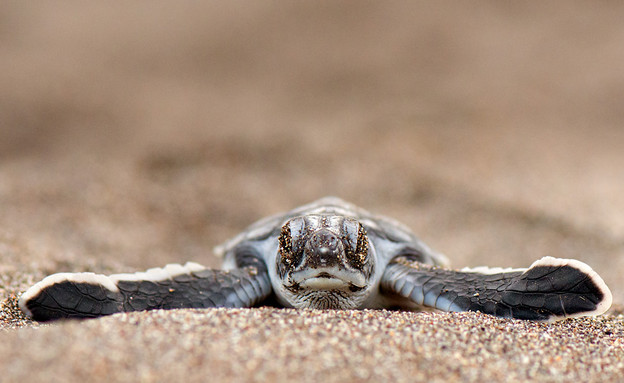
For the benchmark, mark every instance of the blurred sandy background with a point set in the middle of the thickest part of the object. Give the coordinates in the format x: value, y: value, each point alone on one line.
x: 135, y: 134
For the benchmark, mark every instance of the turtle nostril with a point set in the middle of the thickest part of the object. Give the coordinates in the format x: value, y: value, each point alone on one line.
x: 325, y: 254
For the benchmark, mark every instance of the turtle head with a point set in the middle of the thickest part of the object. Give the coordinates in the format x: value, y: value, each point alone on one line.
x: 324, y: 261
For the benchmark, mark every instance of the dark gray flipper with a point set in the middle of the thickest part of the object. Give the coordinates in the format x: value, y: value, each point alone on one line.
x: 88, y: 295
x: 549, y: 290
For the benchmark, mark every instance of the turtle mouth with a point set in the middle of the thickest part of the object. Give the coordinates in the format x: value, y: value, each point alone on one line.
x: 326, y: 279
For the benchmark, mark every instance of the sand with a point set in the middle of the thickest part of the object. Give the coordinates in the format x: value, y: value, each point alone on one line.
x: 136, y: 135
x: 268, y: 344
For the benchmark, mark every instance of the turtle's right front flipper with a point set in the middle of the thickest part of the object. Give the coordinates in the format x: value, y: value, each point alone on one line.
x: 551, y: 289
x: 88, y: 295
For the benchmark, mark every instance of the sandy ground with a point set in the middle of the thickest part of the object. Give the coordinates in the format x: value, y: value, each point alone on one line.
x: 135, y: 135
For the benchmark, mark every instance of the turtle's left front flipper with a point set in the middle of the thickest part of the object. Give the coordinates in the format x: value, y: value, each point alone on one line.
x: 549, y: 290
x: 88, y: 295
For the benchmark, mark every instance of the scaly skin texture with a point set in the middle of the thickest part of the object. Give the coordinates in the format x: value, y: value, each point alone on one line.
x: 198, y: 289
x: 544, y: 292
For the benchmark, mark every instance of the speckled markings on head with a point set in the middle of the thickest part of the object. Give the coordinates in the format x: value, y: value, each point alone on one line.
x: 388, y: 237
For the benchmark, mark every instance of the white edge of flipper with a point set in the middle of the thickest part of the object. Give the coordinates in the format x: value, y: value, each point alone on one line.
x: 156, y: 274
x: 90, y: 278
x: 108, y: 282
x: 607, y: 299
x: 491, y: 270
x: 601, y: 307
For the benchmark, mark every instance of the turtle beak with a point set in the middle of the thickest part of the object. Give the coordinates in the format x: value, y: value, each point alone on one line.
x: 328, y: 279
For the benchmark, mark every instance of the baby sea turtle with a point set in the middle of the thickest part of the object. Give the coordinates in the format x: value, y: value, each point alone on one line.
x: 329, y: 254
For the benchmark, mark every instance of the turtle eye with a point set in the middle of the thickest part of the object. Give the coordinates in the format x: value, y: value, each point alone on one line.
x: 350, y: 230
